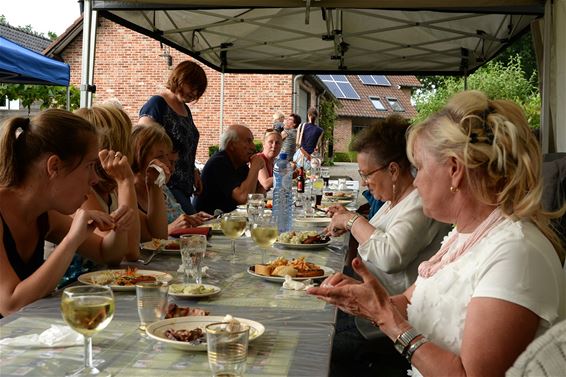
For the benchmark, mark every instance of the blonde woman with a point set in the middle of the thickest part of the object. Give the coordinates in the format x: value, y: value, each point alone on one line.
x: 497, y: 281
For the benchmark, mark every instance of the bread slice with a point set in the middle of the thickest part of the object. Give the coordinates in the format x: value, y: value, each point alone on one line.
x: 284, y: 270
x: 263, y: 269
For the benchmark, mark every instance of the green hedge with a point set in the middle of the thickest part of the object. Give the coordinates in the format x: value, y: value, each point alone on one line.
x: 214, y: 148
x: 345, y: 156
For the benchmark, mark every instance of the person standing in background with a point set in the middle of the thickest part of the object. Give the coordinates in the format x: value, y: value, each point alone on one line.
x: 311, y: 135
x: 289, y: 135
x: 187, y: 83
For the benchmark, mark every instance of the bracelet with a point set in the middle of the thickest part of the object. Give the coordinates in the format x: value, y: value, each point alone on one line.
x: 350, y: 222
x: 404, y: 340
x: 413, y: 347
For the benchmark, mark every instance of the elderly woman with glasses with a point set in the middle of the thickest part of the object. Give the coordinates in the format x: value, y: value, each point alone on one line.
x: 497, y: 281
x: 395, y: 240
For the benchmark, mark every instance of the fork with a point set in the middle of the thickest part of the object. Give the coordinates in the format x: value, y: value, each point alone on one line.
x: 146, y: 262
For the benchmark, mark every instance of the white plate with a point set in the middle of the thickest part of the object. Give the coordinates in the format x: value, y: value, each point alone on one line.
x: 279, y: 279
x: 303, y: 246
x: 216, y: 290
x: 314, y: 220
x: 157, y: 329
x: 149, y: 245
x: 89, y: 276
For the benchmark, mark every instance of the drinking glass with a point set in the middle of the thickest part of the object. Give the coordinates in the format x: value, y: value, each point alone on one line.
x: 227, y: 348
x: 152, y: 301
x: 255, y: 205
x: 88, y: 309
x: 193, y: 248
x: 233, y: 226
x: 264, y: 233
x: 325, y: 174
x: 309, y: 201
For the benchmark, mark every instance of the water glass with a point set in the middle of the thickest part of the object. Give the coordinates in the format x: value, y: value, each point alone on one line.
x: 227, y: 348
x: 193, y: 248
x: 152, y: 301
x: 309, y: 201
x: 255, y: 205
x: 325, y: 174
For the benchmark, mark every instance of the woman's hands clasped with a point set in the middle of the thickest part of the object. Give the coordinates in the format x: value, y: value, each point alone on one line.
x: 85, y: 221
x: 366, y: 298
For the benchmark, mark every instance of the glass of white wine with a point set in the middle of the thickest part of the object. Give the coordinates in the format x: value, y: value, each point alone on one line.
x: 233, y: 226
x: 264, y: 233
x: 88, y: 309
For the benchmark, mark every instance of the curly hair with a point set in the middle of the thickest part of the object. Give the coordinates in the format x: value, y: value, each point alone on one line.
x: 493, y: 140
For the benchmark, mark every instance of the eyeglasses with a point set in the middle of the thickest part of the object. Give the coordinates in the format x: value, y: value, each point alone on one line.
x: 365, y: 177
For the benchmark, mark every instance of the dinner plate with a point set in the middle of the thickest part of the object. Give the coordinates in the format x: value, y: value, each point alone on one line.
x: 151, y: 246
x: 280, y: 279
x: 303, y: 246
x: 314, y: 220
x: 157, y: 329
x: 215, y: 290
x: 91, y: 278
x: 215, y: 226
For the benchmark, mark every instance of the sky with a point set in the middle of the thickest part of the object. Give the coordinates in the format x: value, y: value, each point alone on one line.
x: 42, y: 15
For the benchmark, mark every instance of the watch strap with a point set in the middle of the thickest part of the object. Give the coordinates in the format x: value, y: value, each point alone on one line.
x: 404, y: 340
x: 413, y: 347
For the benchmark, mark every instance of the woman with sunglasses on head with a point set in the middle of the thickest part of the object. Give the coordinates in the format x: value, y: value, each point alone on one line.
x: 186, y: 84
x: 497, y: 281
x: 396, y: 239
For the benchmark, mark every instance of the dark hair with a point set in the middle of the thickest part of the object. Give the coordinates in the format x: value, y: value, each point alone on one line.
x: 23, y: 141
x: 296, y: 120
x: 188, y: 72
x: 143, y: 138
x: 385, y: 141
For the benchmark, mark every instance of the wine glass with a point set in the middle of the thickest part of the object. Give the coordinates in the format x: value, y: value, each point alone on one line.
x: 233, y: 226
x: 264, y: 233
x: 88, y: 309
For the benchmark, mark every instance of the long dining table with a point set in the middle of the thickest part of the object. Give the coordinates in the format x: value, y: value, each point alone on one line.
x: 297, y: 340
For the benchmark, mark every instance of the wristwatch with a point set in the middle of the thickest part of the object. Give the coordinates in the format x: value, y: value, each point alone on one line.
x: 404, y: 339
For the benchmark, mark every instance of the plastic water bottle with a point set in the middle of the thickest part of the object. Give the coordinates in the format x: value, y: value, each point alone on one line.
x: 283, y: 193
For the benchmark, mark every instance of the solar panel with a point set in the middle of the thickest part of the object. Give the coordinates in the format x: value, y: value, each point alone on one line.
x: 339, y: 86
x: 374, y: 80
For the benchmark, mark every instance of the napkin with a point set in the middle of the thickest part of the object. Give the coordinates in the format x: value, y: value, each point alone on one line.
x: 55, y: 336
x: 206, y: 230
x: 161, y: 179
x: 294, y: 285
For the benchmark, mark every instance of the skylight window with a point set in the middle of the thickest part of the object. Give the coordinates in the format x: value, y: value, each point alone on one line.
x: 376, y: 101
x: 395, y: 105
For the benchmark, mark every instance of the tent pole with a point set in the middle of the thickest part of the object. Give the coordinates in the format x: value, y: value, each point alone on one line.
x: 87, y: 13
x: 92, y: 56
x: 68, y: 98
x: 221, y: 103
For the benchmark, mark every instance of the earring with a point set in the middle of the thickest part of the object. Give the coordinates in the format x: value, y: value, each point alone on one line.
x: 454, y: 190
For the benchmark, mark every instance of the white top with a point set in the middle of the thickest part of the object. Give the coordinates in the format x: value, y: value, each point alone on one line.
x: 403, y: 238
x: 513, y: 262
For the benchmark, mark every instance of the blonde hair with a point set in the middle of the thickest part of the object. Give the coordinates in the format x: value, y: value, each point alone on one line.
x: 144, y: 137
x: 503, y: 160
x: 278, y: 115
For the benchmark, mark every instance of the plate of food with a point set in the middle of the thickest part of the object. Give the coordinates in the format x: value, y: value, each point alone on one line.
x: 188, y: 333
x: 163, y: 245
x: 214, y: 225
x: 308, y: 240
x: 123, y: 280
x: 316, y: 220
x: 193, y: 290
x: 298, y: 269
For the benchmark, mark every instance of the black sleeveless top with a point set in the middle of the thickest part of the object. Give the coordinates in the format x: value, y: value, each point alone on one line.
x: 23, y: 269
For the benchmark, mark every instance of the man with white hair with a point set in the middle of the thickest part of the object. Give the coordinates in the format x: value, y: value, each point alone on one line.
x: 226, y: 178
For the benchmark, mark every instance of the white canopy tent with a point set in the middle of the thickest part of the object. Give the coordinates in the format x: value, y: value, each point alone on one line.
x: 358, y: 36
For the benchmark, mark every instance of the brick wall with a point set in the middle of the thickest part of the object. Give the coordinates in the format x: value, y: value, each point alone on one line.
x: 128, y: 68
x: 342, y: 134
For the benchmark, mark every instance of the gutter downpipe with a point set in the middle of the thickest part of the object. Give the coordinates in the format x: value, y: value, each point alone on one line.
x: 295, y: 94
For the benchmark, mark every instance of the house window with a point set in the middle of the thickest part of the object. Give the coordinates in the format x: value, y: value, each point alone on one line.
x: 5, y: 104
x: 395, y: 105
x: 339, y: 86
x: 374, y: 80
x: 357, y: 129
x: 377, y: 104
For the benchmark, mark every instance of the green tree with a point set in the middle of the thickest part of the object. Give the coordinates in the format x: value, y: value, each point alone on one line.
x: 49, y: 96
x: 327, y: 117
x: 496, y: 79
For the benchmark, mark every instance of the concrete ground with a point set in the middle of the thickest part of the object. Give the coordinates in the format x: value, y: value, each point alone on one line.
x: 345, y: 169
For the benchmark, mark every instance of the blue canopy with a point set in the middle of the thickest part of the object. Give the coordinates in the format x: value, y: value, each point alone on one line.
x: 18, y: 65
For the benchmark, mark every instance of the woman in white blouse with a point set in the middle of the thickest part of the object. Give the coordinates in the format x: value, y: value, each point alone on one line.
x: 497, y: 282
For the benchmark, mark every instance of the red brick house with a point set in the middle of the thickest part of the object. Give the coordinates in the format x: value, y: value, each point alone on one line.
x: 130, y: 67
